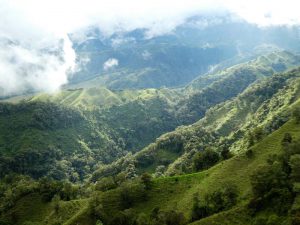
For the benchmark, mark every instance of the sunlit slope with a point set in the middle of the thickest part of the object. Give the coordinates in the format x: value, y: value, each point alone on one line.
x: 173, y: 192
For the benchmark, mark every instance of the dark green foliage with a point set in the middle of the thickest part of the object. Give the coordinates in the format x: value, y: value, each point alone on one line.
x: 225, y: 153
x: 255, y: 135
x: 13, y: 187
x: 171, y: 217
x: 56, y: 203
x: 219, y: 200
x: 205, y: 159
x: 249, y: 153
x: 49, y: 188
x: 146, y: 180
x: 296, y: 114
x: 126, y: 217
x: 271, y: 188
x: 105, y: 184
x: 287, y: 139
x: 294, y: 163
x: 295, y: 218
x: 130, y: 193
x: 267, y: 220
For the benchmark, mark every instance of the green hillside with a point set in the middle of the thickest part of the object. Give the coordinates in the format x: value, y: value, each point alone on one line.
x: 76, y: 131
x: 263, y: 106
x: 98, y: 156
x: 169, y: 193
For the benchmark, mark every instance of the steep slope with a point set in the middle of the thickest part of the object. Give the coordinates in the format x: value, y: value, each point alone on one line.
x: 225, y: 126
x: 74, y: 132
x: 171, y: 193
x: 174, y: 59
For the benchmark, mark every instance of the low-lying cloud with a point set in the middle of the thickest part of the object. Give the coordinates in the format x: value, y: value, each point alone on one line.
x: 36, y: 53
x: 25, y: 69
x: 110, y: 63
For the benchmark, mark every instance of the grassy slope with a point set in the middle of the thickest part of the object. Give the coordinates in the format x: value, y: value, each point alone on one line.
x: 101, y: 97
x: 174, y: 192
x: 261, y: 104
x: 177, y: 192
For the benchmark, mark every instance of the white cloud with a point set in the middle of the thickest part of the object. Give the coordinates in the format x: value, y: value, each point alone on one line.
x: 146, y: 55
x: 110, y: 63
x: 25, y: 68
x: 39, y: 59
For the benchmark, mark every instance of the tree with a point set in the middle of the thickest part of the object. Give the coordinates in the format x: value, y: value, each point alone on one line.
x: 255, y: 135
x: 296, y: 114
x: 131, y: 192
x: 56, y: 203
x: 142, y: 219
x: 271, y: 188
x: 214, y: 202
x: 287, y: 139
x: 131, y: 171
x: 105, y: 184
x: 205, y: 159
x: 146, y: 179
x: 295, y: 167
x: 225, y: 153
x: 99, y: 222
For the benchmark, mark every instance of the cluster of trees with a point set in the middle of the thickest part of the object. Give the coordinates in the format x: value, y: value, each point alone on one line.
x: 275, y: 185
x: 126, y: 192
x: 205, y: 159
x: 13, y: 187
x: 208, y: 157
x: 194, y: 107
x: 157, y: 217
x: 214, y: 202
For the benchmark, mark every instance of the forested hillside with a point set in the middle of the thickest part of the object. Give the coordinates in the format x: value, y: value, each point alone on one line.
x: 74, y: 132
x: 257, y: 185
x: 125, y: 112
x: 99, y: 156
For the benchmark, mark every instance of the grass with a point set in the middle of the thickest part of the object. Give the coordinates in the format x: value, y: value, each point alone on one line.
x: 176, y: 193
x: 171, y: 193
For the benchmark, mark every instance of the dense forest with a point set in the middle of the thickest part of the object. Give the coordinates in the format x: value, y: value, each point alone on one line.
x: 224, y: 149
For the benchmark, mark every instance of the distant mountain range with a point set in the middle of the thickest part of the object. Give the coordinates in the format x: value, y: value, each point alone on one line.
x: 197, y: 47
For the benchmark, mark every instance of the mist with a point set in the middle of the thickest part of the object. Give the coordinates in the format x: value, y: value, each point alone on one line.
x: 36, y: 53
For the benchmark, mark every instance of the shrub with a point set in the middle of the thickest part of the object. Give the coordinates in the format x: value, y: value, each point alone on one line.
x: 205, y: 159
x: 146, y: 180
x: 131, y: 192
x: 287, y: 139
x: 105, y: 184
x: 296, y: 114
x: 249, y: 153
x: 217, y: 201
x: 271, y: 188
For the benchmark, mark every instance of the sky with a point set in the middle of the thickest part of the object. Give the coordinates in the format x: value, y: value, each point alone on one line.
x: 28, y: 27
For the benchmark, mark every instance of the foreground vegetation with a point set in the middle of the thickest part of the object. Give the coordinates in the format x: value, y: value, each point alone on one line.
x: 238, y: 164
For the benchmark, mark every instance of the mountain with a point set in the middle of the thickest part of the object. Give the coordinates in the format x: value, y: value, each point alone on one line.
x: 76, y: 131
x: 233, y: 190
x: 195, y: 154
x: 198, y: 46
x: 226, y: 125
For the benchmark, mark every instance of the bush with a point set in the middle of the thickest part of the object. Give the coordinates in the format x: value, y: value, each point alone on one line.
x: 226, y: 154
x: 217, y: 201
x: 171, y: 217
x: 287, y: 139
x: 296, y: 114
x: 271, y: 188
x: 294, y: 163
x: 105, y: 184
x: 249, y: 153
x: 146, y: 180
x: 205, y: 159
x: 131, y: 192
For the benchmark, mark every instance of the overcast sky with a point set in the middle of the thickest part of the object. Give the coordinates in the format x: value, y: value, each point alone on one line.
x: 37, y: 24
